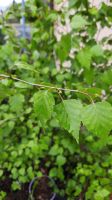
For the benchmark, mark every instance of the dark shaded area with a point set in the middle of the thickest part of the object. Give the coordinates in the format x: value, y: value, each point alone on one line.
x: 2, y: 41
x: 42, y: 192
x: 22, y: 194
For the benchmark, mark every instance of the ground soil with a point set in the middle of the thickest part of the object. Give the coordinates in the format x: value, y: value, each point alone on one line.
x: 43, y: 191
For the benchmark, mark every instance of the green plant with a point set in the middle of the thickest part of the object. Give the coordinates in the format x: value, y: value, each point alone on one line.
x: 40, y: 104
x: 2, y: 195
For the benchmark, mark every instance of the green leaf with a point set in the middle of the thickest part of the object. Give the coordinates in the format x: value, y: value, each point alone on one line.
x: 85, y: 57
x: 101, y: 194
x: 1, y: 172
x: 97, y: 51
x: 98, y: 117
x: 93, y: 91
x: 4, y: 92
x: 54, y: 150
x: 26, y: 66
x: 78, y: 22
x: 106, y: 77
x: 61, y: 160
x: 53, y: 172
x: 21, y: 85
x: 72, y: 2
x: 16, y: 186
x: 14, y: 173
x: 52, y: 16
x: 16, y: 103
x: 93, y: 11
x: 30, y: 172
x: 21, y: 171
x: 68, y: 144
x: 69, y: 116
x: 57, y: 1
x: 43, y: 105
x: 63, y: 47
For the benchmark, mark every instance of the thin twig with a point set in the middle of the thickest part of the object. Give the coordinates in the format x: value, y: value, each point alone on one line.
x: 58, y: 91
x: 47, y: 86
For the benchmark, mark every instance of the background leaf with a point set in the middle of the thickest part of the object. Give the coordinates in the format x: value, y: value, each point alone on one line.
x: 106, y: 77
x: 97, y: 51
x: 4, y: 92
x: 16, y: 103
x: 78, y: 22
x: 84, y: 57
x: 26, y: 66
x: 63, y: 47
